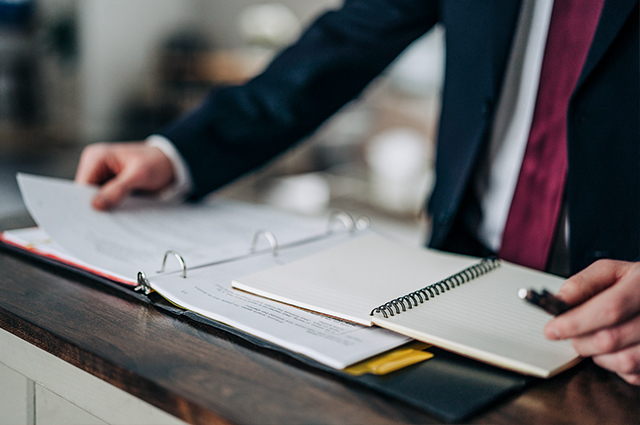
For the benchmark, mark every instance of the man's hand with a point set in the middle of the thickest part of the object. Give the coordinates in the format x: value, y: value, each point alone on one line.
x: 122, y: 168
x: 606, y: 322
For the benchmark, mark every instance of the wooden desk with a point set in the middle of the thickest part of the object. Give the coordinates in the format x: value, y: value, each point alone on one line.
x: 201, y: 375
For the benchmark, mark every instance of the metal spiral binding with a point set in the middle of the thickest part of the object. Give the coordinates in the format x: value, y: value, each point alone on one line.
x: 412, y: 299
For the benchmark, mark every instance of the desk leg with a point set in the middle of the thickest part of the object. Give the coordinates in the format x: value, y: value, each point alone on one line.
x: 53, y: 409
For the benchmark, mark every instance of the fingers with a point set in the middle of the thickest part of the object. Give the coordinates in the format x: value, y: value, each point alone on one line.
x: 632, y: 378
x: 94, y: 167
x: 590, y: 281
x: 115, y: 190
x: 606, y: 323
x: 609, y: 340
x: 625, y: 363
x: 123, y: 168
x: 610, y: 304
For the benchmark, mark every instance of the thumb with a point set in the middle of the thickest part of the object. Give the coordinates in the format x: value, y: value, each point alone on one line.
x: 114, y: 191
x: 591, y: 281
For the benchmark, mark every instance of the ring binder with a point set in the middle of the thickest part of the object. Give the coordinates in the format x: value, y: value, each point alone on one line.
x: 400, y: 304
x: 344, y: 218
x: 361, y: 223
x: 180, y: 260
x: 269, y: 236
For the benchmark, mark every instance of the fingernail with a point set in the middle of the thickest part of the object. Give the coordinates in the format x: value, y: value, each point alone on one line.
x: 100, y: 203
x: 552, y: 333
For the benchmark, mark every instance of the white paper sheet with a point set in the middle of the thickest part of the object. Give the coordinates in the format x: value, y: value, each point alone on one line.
x: 36, y: 240
x: 136, y: 235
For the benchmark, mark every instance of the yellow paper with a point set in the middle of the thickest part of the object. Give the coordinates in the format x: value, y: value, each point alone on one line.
x: 392, y: 360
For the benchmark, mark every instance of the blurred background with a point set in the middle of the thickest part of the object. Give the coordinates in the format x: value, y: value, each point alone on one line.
x: 74, y: 72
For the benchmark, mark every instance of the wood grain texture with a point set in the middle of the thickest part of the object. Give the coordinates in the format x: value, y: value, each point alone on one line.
x: 196, y: 373
x: 203, y: 375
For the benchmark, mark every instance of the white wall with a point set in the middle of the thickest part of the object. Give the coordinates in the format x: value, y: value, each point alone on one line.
x: 118, y: 39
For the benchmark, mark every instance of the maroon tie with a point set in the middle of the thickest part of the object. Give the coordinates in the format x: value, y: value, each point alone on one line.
x: 537, y: 201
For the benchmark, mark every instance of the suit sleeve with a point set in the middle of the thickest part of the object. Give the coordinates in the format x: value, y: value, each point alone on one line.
x: 239, y: 128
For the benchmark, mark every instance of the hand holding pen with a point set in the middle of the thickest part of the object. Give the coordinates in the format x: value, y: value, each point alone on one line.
x: 603, y: 321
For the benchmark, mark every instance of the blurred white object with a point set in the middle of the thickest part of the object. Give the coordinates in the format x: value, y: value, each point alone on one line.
x: 400, y: 169
x: 306, y: 193
x: 340, y: 141
x: 419, y: 70
x: 269, y: 25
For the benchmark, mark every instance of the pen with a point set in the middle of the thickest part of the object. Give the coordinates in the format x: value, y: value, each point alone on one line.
x: 545, y: 300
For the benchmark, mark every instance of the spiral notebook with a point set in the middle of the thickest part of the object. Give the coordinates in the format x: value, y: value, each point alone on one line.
x: 463, y: 304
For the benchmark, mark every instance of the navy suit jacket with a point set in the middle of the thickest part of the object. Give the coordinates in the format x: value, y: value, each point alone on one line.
x: 237, y: 129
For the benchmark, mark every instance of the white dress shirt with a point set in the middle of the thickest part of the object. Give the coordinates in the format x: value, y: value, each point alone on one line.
x: 496, y: 182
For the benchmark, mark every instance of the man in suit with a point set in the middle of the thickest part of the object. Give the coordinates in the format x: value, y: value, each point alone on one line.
x: 499, y: 55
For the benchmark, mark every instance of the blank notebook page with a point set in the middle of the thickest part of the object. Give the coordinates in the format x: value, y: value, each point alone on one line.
x: 348, y: 281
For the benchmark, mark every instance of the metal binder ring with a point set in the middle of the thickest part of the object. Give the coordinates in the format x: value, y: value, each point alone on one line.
x: 143, y: 284
x: 343, y: 218
x: 267, y: 234
x: 180, y: 260
x: 363, y: 222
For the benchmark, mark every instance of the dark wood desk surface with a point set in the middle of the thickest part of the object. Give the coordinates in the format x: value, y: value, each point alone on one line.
x: 203, y: 375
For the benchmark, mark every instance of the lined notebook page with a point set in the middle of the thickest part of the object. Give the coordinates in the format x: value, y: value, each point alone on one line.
x: 486, y: 320
x: 348, y: 281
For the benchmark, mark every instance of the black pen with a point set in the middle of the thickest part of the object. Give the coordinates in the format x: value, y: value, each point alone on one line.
x: 545, y: 300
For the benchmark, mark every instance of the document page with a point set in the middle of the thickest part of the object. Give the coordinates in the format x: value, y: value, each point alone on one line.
x: 136, y: 235
x: 35, y: 240
x: 330, y: 341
